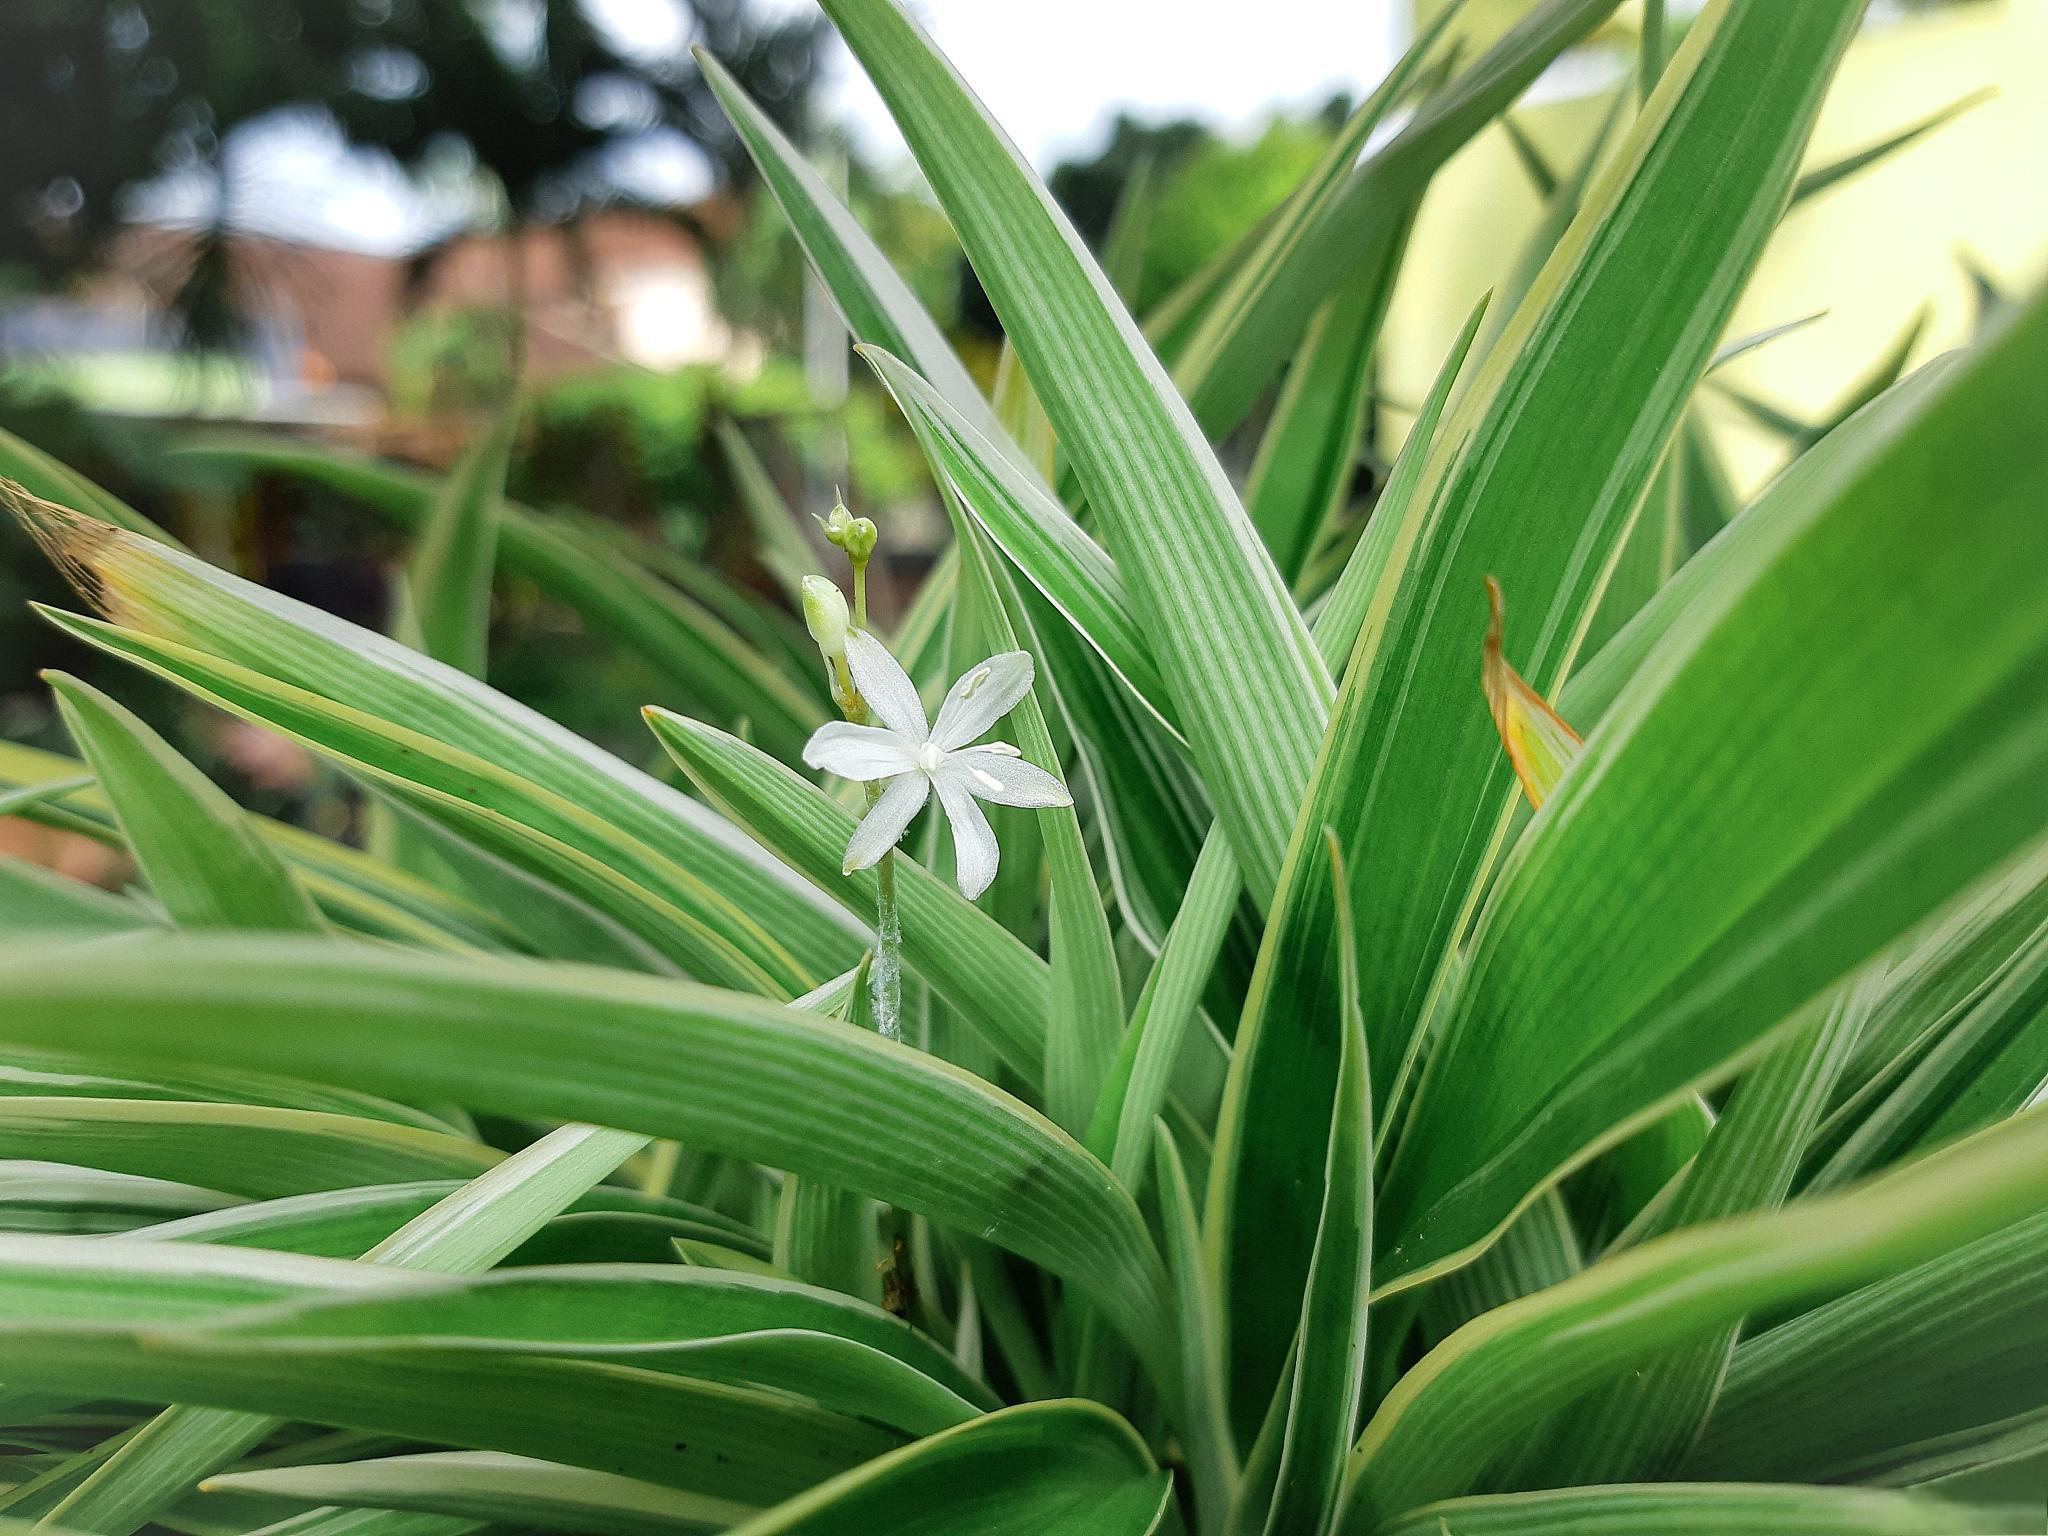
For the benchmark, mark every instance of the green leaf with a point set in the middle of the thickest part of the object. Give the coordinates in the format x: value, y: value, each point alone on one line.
x: 743, y: 1445
x: 1540, y: 1249
x: 1852, y: 1390
x: 1742, y: 346
x: 37, y: 1197
x: 1328, y: 1378
x: 998, y: 985
x: 1543, y: 177
x: 35, y: 900
x: 1086, y: 1020
x: 43, y: 1074
x: 1130, y: 229
x: 1266, y: 256
x: 354, y: 889
x: 242, y: 1149
x: 1604, y: 352
x: 1247, y: 684
x: 1151, y: 807
x: 706, y: 1068
x: 41, y: 475
x: 1504, y: 1372
x: 1308, y: 457
x: 1884, y: 371
x: 1724, y: 562
x: 634, y: 875
x: 1818, y: 180
x: 493, y: 1487
x: 779, y: 540
x: 1706, y: 1509
x: 1239, y: 348
x: 1635, y: 1429
x: 1167, y: 1012
x: 828, y: 1236
x: 632, y: 1311
x: 696, y: 651
x: 1992, y: 1066
x: 372, y: 1522
x: 711, y: 1324
x: 1060, y: 1468
x: 344, y: 1223
x: 1034, y: 531
x: 456, y: 551
x: 1961, y: 1025
x: 1629, y: 1179
x: 1262, y: 1231
x: 1561, y: 205
x: 14, y: 802
x: 202, y: 856
x: 489, y: 1217
x: 1916, y: 686
x: 548, y: 919
x: 1940, y: 975
x: 1358, y: 599
x: 877, y: 306
x: 1267, y: 1149
x: 1211, y: 1451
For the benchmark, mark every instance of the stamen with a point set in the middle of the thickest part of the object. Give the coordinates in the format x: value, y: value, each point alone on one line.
x: 1000, y: 748
x: 974, y: 682
x: 988, y: 780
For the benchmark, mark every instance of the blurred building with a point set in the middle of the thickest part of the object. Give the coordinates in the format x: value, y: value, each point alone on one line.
x: 321, y: 325
x: 1872, y: 253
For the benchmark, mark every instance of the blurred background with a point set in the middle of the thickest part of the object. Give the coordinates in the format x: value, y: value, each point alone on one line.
x: 365, y: 223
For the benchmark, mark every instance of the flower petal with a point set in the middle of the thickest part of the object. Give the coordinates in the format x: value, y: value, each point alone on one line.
x: 859, y: 751
x: 981, y: 698
x: 878, y: 833
x: 891, y: 696
x: 1006, y: 780
x: 974, y: 845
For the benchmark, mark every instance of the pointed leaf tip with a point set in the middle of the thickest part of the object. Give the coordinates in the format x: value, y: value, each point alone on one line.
x: 70, y: 539
x: 1539, y: 744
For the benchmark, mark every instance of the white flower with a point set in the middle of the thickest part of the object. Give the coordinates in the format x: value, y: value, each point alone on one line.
x: 917, y: 758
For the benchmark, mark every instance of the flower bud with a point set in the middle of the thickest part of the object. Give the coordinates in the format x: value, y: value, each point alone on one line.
x: 855, y: 535
x: 825, y: 615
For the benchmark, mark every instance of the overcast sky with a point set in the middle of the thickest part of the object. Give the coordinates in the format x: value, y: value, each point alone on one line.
x: 1054, y: 72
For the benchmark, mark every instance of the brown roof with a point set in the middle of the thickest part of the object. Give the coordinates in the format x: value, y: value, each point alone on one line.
x: 347, y: 305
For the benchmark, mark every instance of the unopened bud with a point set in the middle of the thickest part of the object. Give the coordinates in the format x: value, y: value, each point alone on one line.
x: 855, y: 535
x: 825, y: 615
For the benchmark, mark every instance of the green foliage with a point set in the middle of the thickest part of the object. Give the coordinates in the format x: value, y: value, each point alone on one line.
x: 656, y: 432
x: 1300, y: 1136
x: 1202, y: 193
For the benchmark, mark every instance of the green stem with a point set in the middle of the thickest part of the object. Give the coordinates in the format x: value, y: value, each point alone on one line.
x: 885, y: 977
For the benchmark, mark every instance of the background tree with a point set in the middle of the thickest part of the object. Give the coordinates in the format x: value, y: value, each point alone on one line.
x: 98, y: 97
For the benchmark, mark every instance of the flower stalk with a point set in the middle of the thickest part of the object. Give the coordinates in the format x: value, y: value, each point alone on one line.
x: 856, y: 535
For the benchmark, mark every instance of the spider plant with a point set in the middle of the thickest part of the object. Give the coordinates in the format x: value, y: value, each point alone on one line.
x: 1416, y: 1067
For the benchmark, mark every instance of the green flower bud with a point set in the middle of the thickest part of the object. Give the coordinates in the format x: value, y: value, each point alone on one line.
x: 825, y: 615
x: 855, y: 535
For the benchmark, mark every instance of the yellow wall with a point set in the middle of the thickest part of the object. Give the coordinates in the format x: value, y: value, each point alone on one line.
x: 1869, y: 252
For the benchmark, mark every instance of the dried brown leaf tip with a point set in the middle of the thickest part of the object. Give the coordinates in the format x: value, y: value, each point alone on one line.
x: 1539, y: 744
x: 76, y: 544
x: 114, y: 569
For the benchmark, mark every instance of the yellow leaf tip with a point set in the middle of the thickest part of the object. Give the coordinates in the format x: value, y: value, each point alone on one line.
x: 1538, y: 742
